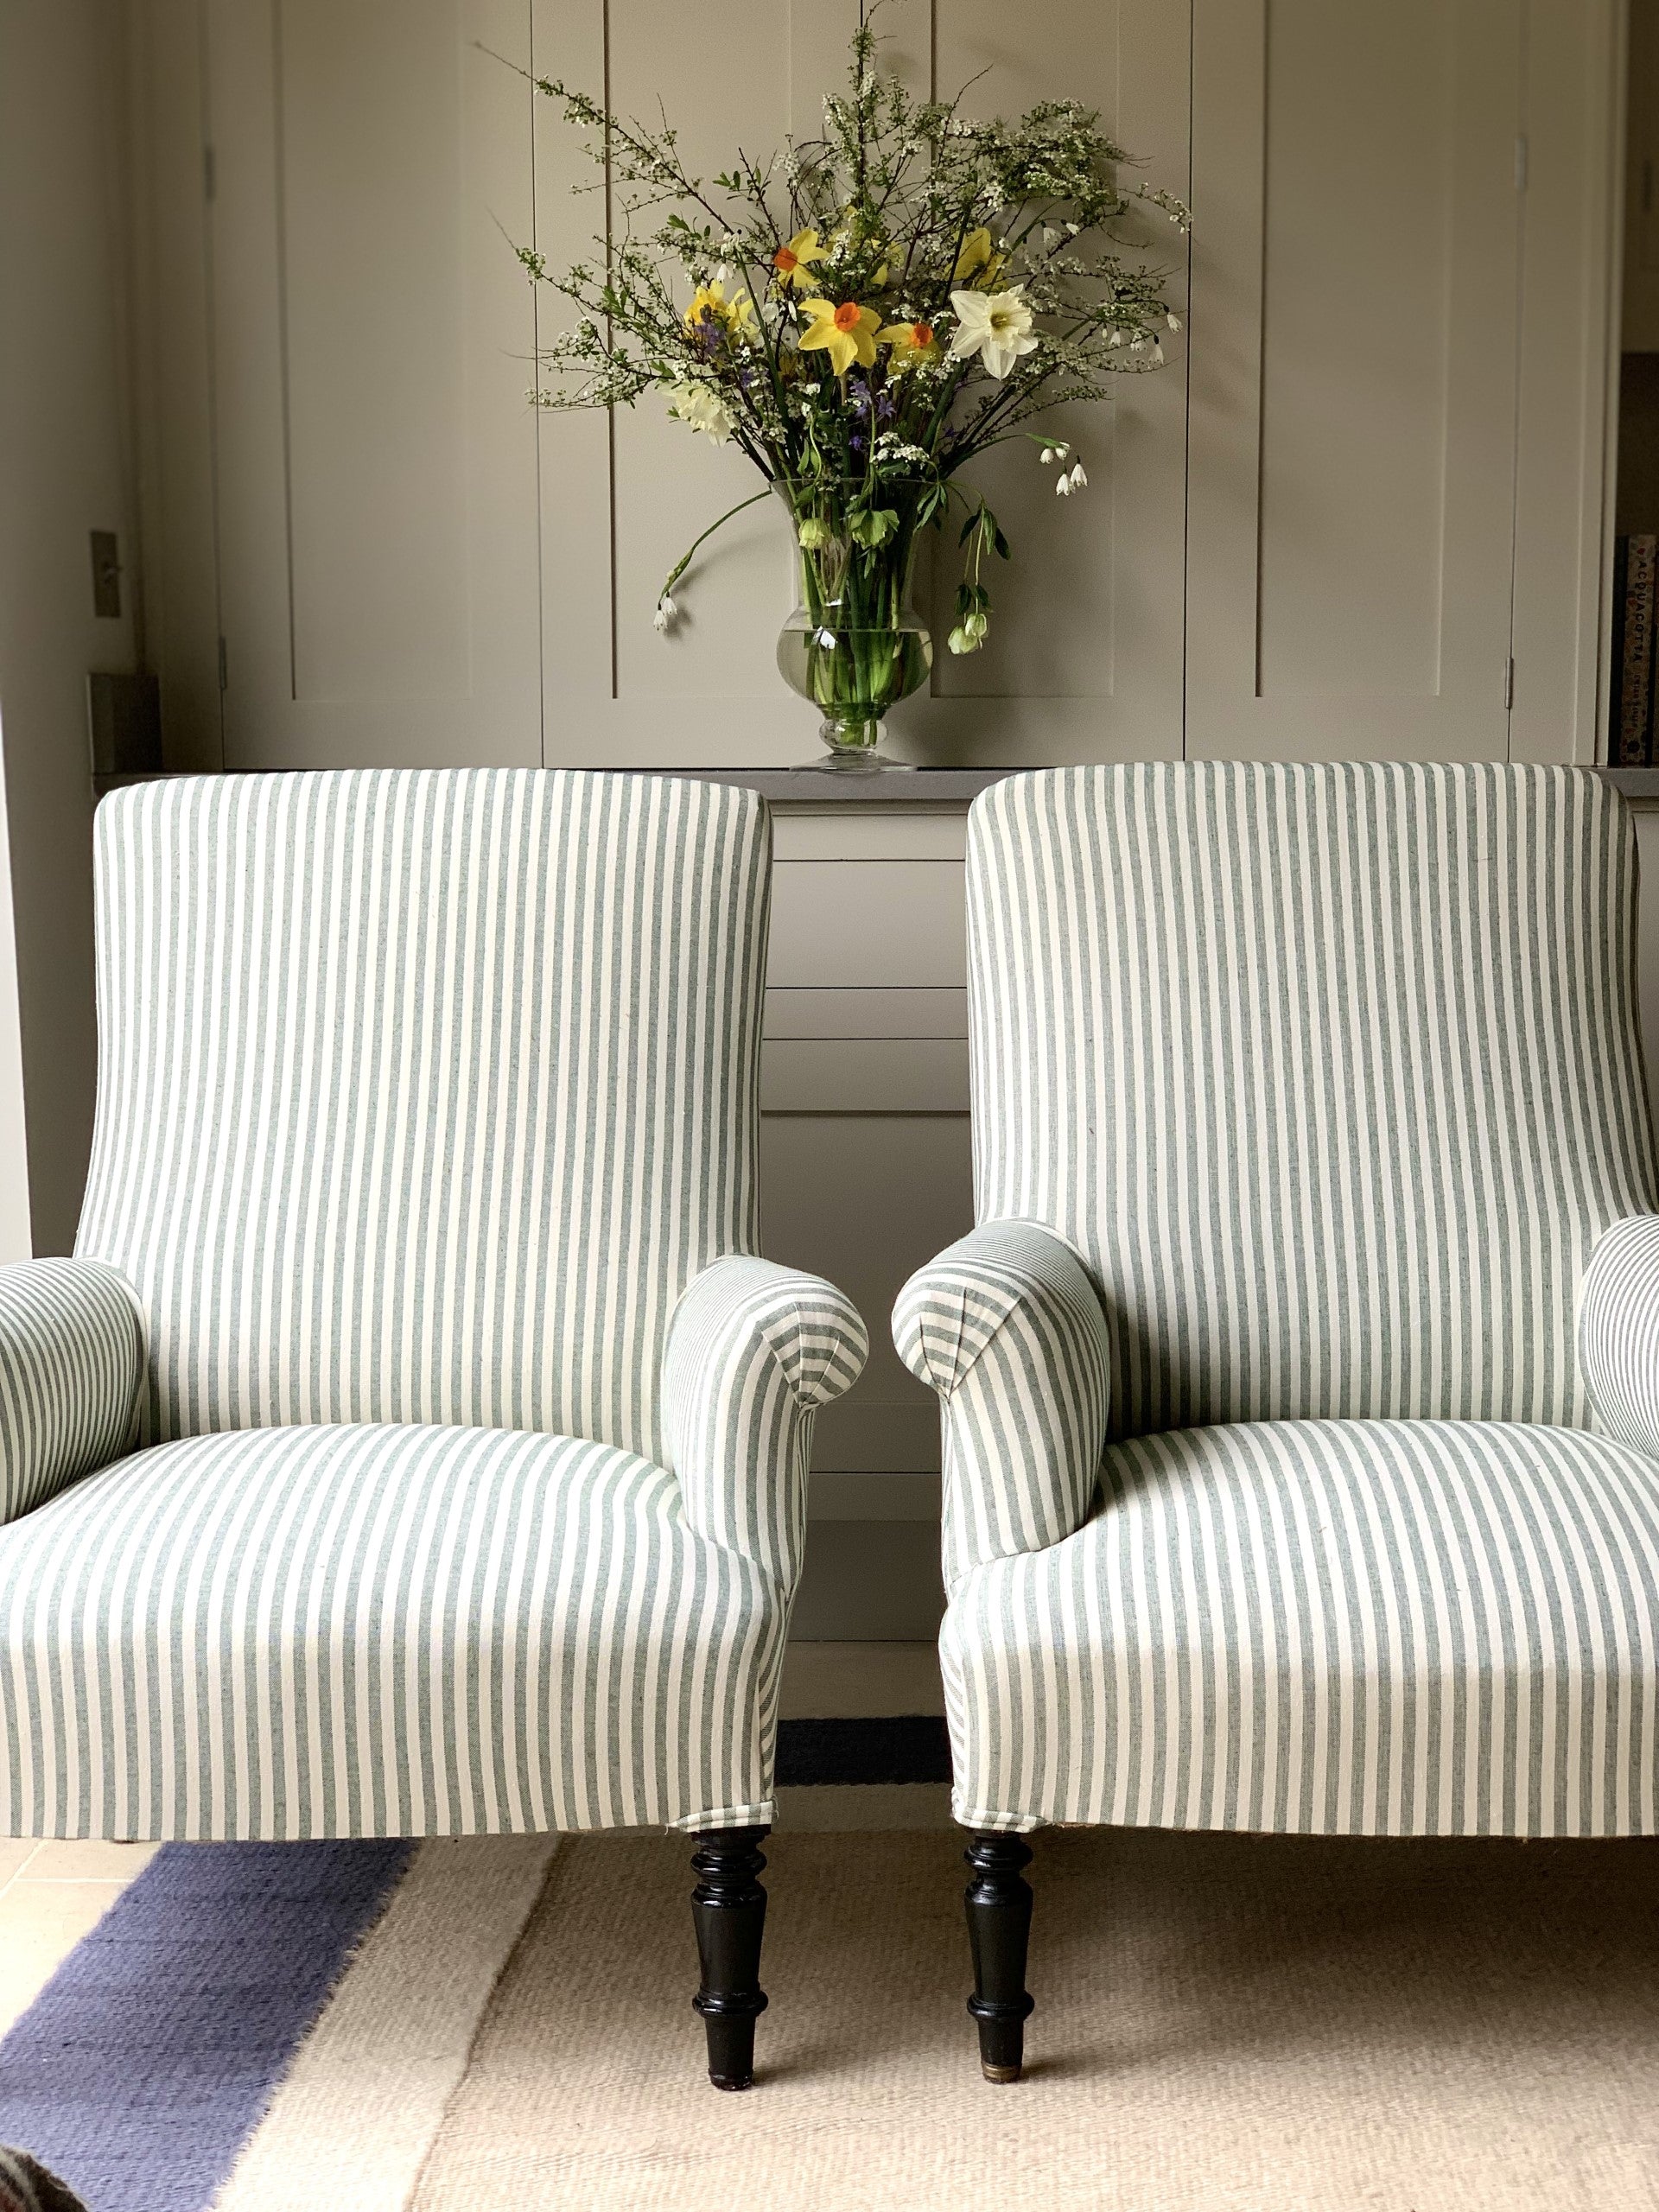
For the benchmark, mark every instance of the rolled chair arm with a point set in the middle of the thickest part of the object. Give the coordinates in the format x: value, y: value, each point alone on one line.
x: 1009, y: 1330
x: 71, y: 1360
x: 1618, y: 1331
x: 753, y: 1351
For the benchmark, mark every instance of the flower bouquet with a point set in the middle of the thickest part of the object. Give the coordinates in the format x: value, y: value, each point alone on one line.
x: 862, y: 314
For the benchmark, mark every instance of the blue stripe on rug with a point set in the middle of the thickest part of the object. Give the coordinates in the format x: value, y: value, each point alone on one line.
x: 149, y: 2058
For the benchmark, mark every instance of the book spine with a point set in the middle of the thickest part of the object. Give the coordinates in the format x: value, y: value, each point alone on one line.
x: 1635, y: 657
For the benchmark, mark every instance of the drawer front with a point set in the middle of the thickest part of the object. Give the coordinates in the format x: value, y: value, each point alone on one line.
x: 858, y: 833
x: 831, y: 1014
x: 883, y: 923
x: 864, y: 1075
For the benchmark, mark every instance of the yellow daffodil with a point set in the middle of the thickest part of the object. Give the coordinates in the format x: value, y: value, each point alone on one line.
x: 978, y: 263
x: 913, y: 343
x: 794, y: 262
x: 846, y: 332
x: 710, y: 305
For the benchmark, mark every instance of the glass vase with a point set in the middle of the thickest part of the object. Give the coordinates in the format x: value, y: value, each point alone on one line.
x: 855, y: 647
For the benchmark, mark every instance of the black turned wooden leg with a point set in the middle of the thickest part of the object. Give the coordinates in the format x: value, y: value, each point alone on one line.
x: 999, y: 1928
x: 728, y: 1909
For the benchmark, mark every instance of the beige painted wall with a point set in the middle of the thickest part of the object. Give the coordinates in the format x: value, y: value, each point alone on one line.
x: 63, y: 471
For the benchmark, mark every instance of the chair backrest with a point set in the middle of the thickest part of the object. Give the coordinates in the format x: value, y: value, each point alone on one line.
x: 1331, y: 1074
x: 422, y: 1096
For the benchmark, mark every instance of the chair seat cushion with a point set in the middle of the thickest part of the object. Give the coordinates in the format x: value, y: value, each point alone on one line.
x: 1426, y: 1628
x: 379, y: 1630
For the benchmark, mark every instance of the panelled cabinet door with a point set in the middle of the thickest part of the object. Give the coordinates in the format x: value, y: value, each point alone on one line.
x: 1085, y: 659
x: 1355, y: 345
x: 372, y: 337
x: 1641, y: 290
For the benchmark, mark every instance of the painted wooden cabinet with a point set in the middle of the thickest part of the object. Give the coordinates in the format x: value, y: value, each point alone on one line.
x: 1369, y: 478
x: 867, y: 1165
x: 1640, y: 326
x: 1356, y: 277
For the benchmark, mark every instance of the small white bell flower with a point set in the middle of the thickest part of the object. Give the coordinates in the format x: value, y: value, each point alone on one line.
x: 666, y: 615
x: 1078, y: 479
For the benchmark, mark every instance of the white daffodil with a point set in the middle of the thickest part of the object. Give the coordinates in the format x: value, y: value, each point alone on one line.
x: 703, y: 409
x: 994, y: 325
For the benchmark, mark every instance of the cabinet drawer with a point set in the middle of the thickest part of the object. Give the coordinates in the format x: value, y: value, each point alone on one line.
x: 834, y: 1013
x: 864, y: 1075
x: 880, y: 922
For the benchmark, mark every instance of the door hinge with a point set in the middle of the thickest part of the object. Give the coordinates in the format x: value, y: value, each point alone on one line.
x: 1521, y: 162
x: 209, y: 173
x: 223, y: 668
x: 1509, y: 684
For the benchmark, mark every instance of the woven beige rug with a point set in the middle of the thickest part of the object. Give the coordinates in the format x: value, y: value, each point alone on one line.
x: 1223, y: 2022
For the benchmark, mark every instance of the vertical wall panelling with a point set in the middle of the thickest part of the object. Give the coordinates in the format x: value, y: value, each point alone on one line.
x: 1638, y: 284
x: 16, y: 1240
x: 171, y: 240
x: 63, y: 425
x: 372, y: 344
x: 1355, y: 311
x: 1569, y: 365
x: 1086, y: 659
x: 417, y: 566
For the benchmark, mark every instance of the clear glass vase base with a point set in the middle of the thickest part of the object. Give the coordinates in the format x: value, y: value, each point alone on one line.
x: 860, y: 763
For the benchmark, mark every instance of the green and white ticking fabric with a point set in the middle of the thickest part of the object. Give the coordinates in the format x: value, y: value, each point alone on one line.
x: 1332, y: 1628
x: 1008, y: 1329
x: 1326, y: 1081
x: 419, y: 1233
x: 331, y: 1631
x: 423, y: 1096
x: 1330, y: 1075
x: 71, y: 1361
x: 1619, y: 1332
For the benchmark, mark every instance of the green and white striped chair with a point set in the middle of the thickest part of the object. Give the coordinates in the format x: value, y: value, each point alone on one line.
x: 1300, y: 1382
x: 415, y: 1444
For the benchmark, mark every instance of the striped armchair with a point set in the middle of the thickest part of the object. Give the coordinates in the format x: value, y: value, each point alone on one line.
x: 1300, y: 1382
x: 415, y: 1444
